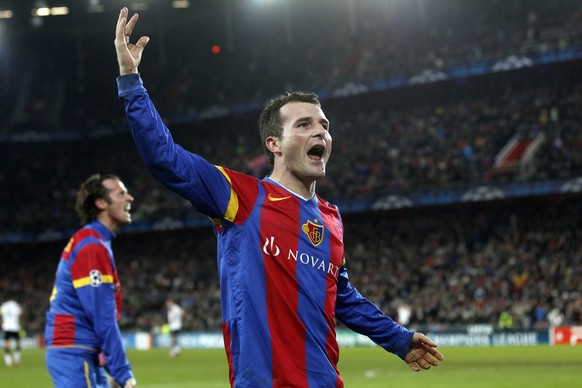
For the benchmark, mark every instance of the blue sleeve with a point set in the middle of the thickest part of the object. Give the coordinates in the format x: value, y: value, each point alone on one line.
x: 183, y: 172
x: 98, y: 302
x: 364, y: 317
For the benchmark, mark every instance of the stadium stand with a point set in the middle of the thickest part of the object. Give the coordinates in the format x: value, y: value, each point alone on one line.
x: 422, y: 107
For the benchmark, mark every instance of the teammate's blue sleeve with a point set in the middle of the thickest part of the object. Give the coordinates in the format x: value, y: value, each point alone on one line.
x: 364, y: 317
x: 184, y: 172
x: 97, y: 297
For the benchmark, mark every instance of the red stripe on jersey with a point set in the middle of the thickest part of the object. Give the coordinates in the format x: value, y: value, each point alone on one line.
x: 91, y: 256
x: 79, y: 236
x: 64, y: 330
x: 226, y: 337
x: 332, y: 222
x: 280, y: 218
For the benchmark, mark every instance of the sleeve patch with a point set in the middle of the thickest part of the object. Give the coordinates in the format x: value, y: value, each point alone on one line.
x: 95, y: 279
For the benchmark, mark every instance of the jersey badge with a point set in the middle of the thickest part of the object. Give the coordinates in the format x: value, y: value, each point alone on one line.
x: 314, y: 231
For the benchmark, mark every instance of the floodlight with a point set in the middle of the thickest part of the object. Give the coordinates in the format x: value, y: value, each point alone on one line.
x: 6, y: 14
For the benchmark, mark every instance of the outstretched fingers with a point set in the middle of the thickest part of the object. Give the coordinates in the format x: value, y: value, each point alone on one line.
x: 419, y: 365
x: 120, y: 28
x: 423, y: 354
x: 425, y: 362
x: 130, y: 24
x: 128, y: 55
x: 124, y: 27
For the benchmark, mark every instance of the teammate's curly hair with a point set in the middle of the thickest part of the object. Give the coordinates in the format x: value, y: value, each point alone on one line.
x: 91, y: 190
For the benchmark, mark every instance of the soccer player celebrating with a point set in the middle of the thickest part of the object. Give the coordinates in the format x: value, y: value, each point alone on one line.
x: 83, y: 339
x: 280, y: 246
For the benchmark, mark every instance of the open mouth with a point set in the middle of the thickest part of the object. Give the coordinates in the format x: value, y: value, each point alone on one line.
x: 316, y: 152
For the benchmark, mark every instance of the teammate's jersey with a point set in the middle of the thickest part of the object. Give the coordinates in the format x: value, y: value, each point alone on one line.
x: 86, y: 300
x: 280, y: 262
x: 10, y: 311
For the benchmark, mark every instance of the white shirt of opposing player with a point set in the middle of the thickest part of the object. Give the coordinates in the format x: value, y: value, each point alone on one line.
x: 404, y: 313
x: 175, y: 317
x: 10, y: 311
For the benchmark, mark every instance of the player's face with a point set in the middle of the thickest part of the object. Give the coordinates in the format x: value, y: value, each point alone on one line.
x: 306, y: 141
x: 117, y: 211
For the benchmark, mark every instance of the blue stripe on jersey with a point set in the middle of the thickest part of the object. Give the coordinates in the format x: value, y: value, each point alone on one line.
x: 242, y: 276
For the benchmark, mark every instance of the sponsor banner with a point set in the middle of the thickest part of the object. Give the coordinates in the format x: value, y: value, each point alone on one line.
x: 567, y: 335
x: 143, y: 341
x: 139, y: 340
x: 474, y: 335
x: 32, y: 342
x: 191, y: 340
x: 472, y: 194
x: 496, y: 338
x: 350, y: 339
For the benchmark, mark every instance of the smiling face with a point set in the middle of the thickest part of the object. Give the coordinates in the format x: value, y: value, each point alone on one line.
x: 115, y: 210
x: 303, y: 149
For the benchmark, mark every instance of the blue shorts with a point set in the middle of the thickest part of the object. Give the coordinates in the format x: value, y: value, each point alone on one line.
x: 69, y: 369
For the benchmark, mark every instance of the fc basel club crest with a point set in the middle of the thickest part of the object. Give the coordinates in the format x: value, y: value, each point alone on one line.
x: 313, y: 231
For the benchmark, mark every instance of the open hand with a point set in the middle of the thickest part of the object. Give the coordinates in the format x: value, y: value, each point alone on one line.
x: 128, y: 55
x: 423, y: 353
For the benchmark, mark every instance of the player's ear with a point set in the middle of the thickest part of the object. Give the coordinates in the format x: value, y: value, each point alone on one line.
x: 101, y: 204
x: 273, y: 144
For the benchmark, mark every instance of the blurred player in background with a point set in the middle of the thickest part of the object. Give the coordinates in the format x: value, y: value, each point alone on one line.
x: 82, y: 335
x: 11, y: 313
x: 281, y: 262
x: 175, y: 314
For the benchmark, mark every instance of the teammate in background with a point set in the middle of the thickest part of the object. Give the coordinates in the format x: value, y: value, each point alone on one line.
x: 280, y: 246
x: 82, y: 335
x: 11, y: 312
x: 175, y: 313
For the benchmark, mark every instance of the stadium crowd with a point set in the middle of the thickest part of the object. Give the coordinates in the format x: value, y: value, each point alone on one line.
x: 451, y: 265
x: 418, y: 139
x: 58, y: 80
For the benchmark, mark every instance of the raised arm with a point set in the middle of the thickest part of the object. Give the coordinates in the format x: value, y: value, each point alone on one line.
x: 184, y: 172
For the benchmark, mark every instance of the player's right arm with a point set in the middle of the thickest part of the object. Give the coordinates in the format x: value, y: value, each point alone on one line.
x: 186, y: 173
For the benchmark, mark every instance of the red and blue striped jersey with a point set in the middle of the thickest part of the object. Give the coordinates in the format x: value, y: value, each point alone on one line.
x: 280, y: 263
x: 86, y: 300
